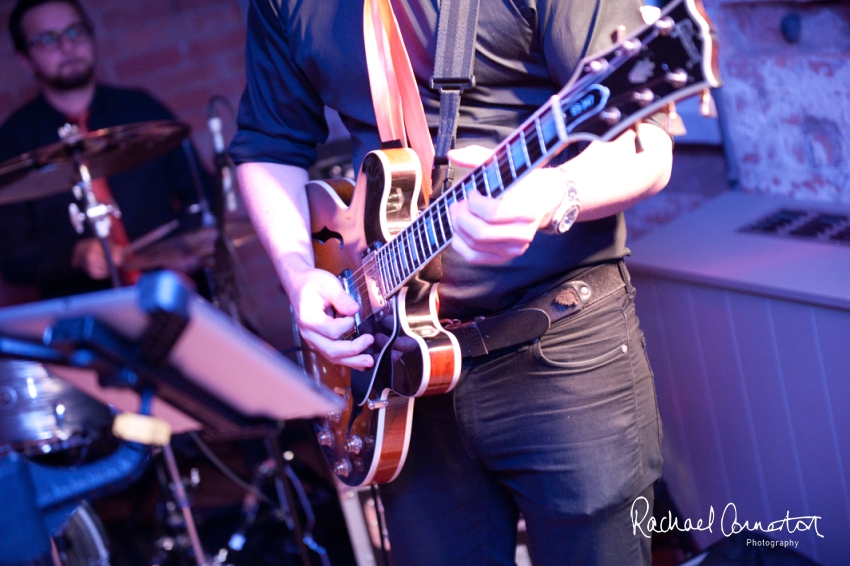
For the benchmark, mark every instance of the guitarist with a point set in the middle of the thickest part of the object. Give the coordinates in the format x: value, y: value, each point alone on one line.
x: 562, y: 428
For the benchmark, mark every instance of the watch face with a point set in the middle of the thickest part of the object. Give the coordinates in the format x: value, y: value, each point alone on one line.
x: 569, y: 219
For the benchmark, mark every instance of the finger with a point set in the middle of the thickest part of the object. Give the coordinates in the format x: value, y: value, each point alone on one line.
x: 501, y: 211
x: 470, y: 156
x: 486, y: 255
x: 345, y: 352
x: 330, y: 327
x: 481, y: 235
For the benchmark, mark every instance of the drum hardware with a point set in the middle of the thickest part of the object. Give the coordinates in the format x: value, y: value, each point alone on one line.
x: 158, y: 336
x: 40, y: 413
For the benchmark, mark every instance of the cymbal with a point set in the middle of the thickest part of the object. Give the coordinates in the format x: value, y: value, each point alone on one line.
x: 52, y: 169
x: 182, y: 252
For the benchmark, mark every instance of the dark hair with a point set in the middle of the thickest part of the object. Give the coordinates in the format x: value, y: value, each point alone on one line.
x: 24, y: 6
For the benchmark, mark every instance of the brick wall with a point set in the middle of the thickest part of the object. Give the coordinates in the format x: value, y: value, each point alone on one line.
x: 182, y: 51
x: 787, y: 103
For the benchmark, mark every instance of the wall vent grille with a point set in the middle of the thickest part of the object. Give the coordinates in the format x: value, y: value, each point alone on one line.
x: 804, y: 224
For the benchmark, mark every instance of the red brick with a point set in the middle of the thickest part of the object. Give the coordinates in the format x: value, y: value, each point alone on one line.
x: 186, y: 5
x: 127, y: 13
x: 216, y: 43
x: 140, y: 65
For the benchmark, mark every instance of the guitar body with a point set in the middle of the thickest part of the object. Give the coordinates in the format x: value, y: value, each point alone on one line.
x: 414, y: 356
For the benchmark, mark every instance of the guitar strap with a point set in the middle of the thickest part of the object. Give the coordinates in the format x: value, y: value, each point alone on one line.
x: 453, y: 66
x: 395, y: 95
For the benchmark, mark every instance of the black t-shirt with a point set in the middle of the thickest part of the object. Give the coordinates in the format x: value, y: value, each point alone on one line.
x: 302, y: 56
x: 37, y: 238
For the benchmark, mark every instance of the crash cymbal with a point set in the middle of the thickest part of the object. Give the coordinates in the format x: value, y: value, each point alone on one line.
x: 52, y: 169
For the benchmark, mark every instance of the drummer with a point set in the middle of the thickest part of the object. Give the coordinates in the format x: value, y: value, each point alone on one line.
x: 55, y: 41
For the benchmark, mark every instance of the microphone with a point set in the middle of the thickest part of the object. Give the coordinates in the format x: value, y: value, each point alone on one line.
x: 220, y: 160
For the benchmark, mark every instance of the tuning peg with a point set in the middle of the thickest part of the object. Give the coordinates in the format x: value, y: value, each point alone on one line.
x: 619, y: 34
x: 677, y: 78
x: 672, y: 116
x: 638, y: 144
x: 707, y: 107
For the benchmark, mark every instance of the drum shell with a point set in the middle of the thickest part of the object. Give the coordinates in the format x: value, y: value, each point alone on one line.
x: 40, y: 413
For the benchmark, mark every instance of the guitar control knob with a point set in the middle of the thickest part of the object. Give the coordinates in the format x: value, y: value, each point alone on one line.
x: 326, y: 438
x: 335, y: 417
x: 342, y: 468
x: 354, y: 445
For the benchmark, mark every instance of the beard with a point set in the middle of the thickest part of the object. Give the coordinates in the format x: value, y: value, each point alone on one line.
x: 81, y: 77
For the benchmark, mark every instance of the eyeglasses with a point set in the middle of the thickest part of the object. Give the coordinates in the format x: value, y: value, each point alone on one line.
x: 50, y: 39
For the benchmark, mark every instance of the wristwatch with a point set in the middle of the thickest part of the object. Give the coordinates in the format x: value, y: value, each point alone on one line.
x: 566, y: 213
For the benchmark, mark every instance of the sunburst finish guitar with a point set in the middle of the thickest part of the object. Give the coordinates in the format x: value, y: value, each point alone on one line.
x: 372, y: 234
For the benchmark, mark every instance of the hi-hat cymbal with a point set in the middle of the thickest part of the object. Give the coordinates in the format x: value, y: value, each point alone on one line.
x: 52, y: 169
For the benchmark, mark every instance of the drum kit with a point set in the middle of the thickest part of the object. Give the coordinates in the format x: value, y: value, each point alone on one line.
x: 41, y: 414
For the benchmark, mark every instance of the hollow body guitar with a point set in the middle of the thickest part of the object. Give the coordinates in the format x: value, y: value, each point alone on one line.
x: 372, y: 234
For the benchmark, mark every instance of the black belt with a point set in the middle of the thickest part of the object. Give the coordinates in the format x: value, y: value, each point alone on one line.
x: 531, y: 320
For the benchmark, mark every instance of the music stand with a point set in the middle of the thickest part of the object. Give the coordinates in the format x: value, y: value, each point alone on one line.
x: 224, y: 378
x: 159, y: 337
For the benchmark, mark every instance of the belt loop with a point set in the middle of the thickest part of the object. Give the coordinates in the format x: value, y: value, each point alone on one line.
x: 624, y: 273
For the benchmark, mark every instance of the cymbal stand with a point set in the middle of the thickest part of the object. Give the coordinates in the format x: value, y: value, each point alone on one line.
x: 88, y: 208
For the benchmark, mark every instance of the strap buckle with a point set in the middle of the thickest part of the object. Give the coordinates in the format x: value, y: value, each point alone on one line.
x: 443, y: 84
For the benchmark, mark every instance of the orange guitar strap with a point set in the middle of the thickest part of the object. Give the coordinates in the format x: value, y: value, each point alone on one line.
x: 395, y: 96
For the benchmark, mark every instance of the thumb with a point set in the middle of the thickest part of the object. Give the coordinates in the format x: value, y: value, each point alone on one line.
x: 343, y: 303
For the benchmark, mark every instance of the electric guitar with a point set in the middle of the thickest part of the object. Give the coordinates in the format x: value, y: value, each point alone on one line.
x: 372, y: 234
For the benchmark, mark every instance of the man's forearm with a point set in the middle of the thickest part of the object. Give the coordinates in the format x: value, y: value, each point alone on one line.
x: 276, y: 201
x: 612, y: 177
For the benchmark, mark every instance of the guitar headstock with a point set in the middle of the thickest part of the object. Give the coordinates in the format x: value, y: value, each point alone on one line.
x: 673, y: 58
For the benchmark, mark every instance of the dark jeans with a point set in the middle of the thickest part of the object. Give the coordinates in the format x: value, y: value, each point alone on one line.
x: 565, y: 431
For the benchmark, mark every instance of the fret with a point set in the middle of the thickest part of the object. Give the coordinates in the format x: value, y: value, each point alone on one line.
x: 382, y: 267
x: 445, y: 225
x: 423, y: 231
x: 506, y: 168
x: 509, y: 153
x: 550, y: 131
x: 432, y: 234
x: 421, y: 253
x: 519, y: 155
x: 493, y: 177
x: 398, y: 252
x: 540, y: 139
x: 532, y: 145
x: 483, y: 170
x: 473, y: 186
x: 391, y: 257
x: 411, y: 263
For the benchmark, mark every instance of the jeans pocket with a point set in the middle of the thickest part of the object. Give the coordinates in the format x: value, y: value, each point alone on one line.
x: 584, y: 364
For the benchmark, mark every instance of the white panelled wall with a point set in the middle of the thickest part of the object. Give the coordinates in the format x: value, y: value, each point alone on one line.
x: 752, y: 378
